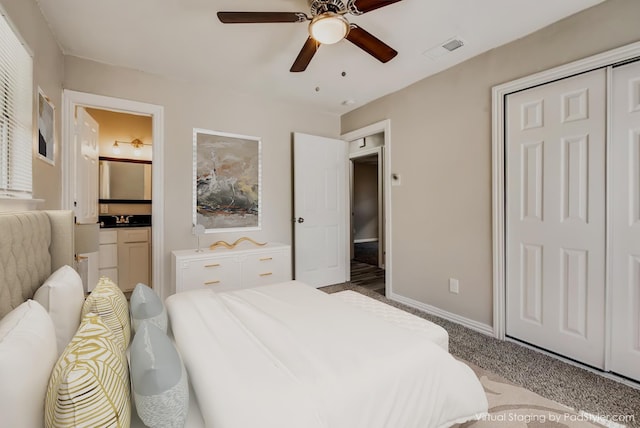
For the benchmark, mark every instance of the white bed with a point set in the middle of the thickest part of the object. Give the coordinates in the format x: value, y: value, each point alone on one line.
x: 280, y: 356
x: 429, y: 330
x: 288, y: 355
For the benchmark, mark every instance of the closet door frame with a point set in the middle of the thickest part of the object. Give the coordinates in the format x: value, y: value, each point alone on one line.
x: 499, y: 93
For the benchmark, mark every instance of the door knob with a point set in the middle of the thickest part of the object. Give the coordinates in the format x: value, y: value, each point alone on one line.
x: 300, y: 220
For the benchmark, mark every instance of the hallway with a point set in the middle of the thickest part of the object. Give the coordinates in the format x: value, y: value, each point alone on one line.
x: 368, y: 276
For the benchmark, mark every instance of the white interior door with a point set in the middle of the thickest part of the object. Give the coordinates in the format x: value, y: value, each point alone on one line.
x: 555, y: 151
x: 85, y: 185
x: 625, y: 221
x: 85, y: 179
x: 320, y: 209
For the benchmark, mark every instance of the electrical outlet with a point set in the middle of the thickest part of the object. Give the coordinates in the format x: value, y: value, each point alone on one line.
x: 454, y: 286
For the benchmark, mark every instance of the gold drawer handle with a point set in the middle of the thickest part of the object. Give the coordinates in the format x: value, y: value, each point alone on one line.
x: 266, y: 274
x: 266, y: 259
x: 212, y: 282
x: 213, y: 265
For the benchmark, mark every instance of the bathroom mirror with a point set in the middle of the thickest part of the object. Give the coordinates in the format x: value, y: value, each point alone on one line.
x: 125, y: 179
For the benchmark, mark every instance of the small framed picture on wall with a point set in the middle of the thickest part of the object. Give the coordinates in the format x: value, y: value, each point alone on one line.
x: 46, y: 129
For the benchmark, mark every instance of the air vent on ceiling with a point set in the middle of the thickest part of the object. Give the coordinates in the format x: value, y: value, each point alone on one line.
x: 453, y: 44
x: 444, y: 48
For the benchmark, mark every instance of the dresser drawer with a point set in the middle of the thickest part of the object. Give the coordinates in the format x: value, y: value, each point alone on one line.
x: 265, y: 268
x: 220, y: 274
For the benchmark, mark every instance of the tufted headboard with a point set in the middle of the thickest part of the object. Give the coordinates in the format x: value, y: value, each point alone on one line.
x: 32, y: 245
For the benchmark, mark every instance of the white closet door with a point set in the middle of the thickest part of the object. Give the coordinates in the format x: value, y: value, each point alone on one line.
x: 555, y: 150
x: 625, y: 222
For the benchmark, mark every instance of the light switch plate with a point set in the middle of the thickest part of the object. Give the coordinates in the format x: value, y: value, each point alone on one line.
x: 454, y: 286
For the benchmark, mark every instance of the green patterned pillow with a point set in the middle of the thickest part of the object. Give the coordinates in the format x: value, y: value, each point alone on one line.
x: 108, y: 301
x: 89, y: 385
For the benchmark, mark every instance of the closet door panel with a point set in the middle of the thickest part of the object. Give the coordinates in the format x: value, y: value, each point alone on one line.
x: 555, y: 153
x: 625, y: 221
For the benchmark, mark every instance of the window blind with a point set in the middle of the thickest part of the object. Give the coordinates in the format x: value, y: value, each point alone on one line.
x: 16, y: 113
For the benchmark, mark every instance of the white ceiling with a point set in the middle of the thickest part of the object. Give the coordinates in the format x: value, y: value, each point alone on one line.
x: 183, y: 39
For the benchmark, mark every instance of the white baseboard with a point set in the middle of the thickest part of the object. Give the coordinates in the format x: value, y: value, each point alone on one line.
x: 466, y: 322
x: 362, y: 241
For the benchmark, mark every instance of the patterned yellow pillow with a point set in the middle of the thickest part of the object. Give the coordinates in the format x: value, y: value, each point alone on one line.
x: 108, y: 301
x: 89, y: 385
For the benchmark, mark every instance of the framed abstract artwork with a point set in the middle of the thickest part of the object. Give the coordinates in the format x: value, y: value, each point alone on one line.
x: 227, y: 174
x: 46, y: 115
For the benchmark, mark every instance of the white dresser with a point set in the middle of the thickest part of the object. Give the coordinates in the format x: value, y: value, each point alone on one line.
x: 223, y: 270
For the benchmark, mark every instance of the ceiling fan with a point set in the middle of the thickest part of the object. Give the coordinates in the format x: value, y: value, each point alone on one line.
x: 328, y: 25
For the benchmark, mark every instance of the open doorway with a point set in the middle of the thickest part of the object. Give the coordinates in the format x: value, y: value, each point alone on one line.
x: 367, y: 237
x: 125, y: 202
x: 108, y: 106
x: 375, y: 138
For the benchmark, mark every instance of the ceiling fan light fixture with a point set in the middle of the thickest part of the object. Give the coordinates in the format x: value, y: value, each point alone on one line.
x: 329, y: 28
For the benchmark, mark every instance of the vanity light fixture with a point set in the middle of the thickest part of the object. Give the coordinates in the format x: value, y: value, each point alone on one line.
x: 116, y: 148
x: 137, y: 145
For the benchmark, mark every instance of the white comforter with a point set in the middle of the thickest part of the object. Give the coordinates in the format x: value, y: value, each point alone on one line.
x: 289, y: 356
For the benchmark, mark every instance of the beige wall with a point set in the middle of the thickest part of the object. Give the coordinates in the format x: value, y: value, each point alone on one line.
x: 47, y: 73
x: 441, y: 146
x: 209, y: 105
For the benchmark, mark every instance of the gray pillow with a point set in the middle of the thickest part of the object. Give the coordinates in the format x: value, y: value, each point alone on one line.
x: 158, y: 379
x: 146, y: 305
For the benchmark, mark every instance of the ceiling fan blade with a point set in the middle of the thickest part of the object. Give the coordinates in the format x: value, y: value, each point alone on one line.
x: 261, y: 17
x: 371, y: 44
x: 364, y: 6
x: 306, y: 54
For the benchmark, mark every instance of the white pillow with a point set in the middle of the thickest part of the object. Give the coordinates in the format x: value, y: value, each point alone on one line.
x: 27, y: 355
x: 62, y: 295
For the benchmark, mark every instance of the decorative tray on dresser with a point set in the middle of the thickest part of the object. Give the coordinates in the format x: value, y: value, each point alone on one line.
x: 231, y: 269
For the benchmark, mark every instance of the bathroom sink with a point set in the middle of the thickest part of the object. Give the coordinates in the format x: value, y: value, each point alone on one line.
x: 112, y: 221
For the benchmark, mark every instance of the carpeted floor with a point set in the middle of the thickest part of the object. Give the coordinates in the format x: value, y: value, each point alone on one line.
x: 540, y: 374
